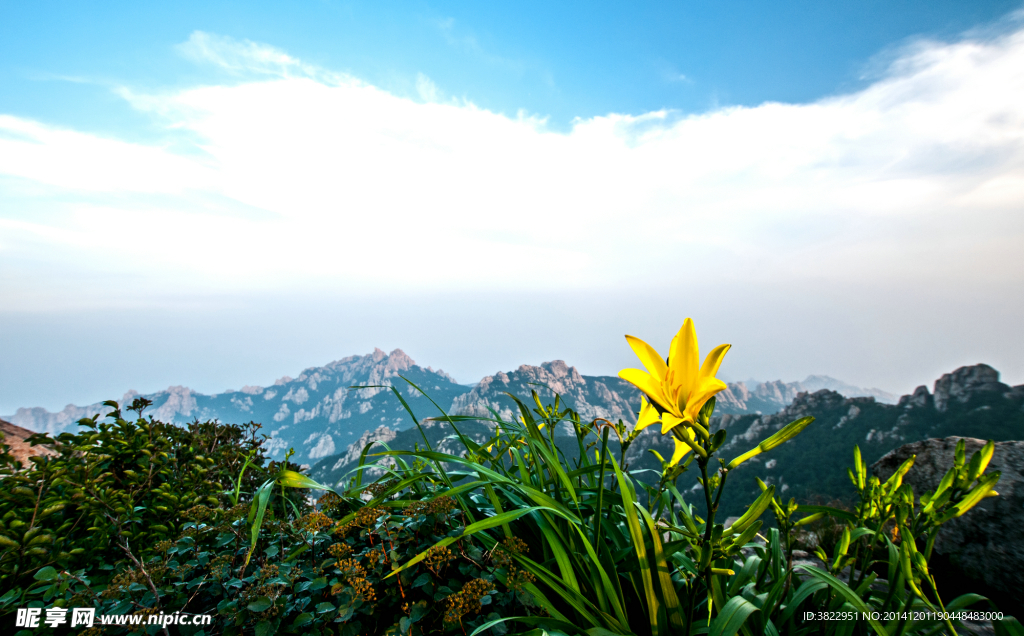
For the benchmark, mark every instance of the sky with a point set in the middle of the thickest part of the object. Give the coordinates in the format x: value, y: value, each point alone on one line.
x: 218, y: 194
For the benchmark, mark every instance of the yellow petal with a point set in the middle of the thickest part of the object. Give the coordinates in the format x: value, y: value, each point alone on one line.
x: 683, y: 359
x: 682, y: 448
x: 714, y: 360
x: 650, y: 358
x: 648, y: 415
x: 647, y: 385
x: 706, y: 388
x: 669, y: 422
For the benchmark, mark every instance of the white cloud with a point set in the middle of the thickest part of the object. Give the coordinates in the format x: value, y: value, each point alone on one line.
x: 308, y: 179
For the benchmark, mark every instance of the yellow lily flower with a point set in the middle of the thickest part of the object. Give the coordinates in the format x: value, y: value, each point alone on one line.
x: 649, y: 415
x: 679, y: 388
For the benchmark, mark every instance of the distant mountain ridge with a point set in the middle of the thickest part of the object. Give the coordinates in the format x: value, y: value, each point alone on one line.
x: 315, y: 413
x: 970, y: 401
x: 318, y: 415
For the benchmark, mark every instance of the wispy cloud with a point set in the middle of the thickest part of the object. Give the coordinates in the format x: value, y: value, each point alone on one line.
x: 246, y: 56
x: 920, y: 174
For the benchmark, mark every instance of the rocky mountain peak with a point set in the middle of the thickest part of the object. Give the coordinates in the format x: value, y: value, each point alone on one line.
x: 805, y: 402
x: 398, y: 361
x: 777, y: 391
x: 599, y: 397
x: 918, y: 399
x: 965, y: 383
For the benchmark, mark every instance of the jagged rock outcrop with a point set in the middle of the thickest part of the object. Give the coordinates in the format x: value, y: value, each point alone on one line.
x: 767, y: 397
x: 771, y: 397
x: 965, y: 383
x: 40, y: 420
x: 351, y: 454
x: 919, y: 399
x: 987, y: 543
x: 814, y: 383
x: 591, y: 397
x: 804, y: 404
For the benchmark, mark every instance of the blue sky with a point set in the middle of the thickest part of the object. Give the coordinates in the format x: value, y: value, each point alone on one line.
x: 217, y: 194
x: 555, y: 60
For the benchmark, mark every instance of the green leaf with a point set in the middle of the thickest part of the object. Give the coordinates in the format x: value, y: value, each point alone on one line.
x: 849, y: 595
x: 292, y: 479
x: 302, y: 620
x: 668, y: 590
x: 325, y: 607
x: 263, y: 628
x: 546, y: 630
x: 806, y: 589
x: 1008, y: 626
x: 786, y: 433
x: 633, y: 523
x: 473, y: 528
x: 9, y: 596
x: 419, y: 610
x: 832, y: 512
x: 45, y: 574
x: 318, y: 584
x: 261, y: 604
x: 256, y: 511
x: 964, y: 601
x: 754, y: 511
x: 732, y: 616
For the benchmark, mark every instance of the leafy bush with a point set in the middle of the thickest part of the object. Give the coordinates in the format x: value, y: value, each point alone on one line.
x: 115, y: 488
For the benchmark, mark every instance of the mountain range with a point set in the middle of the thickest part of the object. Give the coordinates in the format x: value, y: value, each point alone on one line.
x: 970, y: 401
x: 319, y: 415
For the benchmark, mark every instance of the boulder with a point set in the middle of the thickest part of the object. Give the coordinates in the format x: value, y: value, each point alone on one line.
x: 987, y: 543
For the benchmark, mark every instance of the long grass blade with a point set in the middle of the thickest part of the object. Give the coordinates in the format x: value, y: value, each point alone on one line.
x: 638, y: 545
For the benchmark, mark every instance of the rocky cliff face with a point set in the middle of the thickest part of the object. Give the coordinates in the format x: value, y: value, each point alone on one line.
x: 965, y: 383
x: 987, y: 543
x: 591, y: 397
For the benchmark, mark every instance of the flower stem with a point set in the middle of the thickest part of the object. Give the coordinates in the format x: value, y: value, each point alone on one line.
x: 708, y: 527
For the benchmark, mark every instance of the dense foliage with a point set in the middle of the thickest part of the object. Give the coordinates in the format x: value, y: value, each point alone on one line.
x: 116, y: 488
x: 509, y: 535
